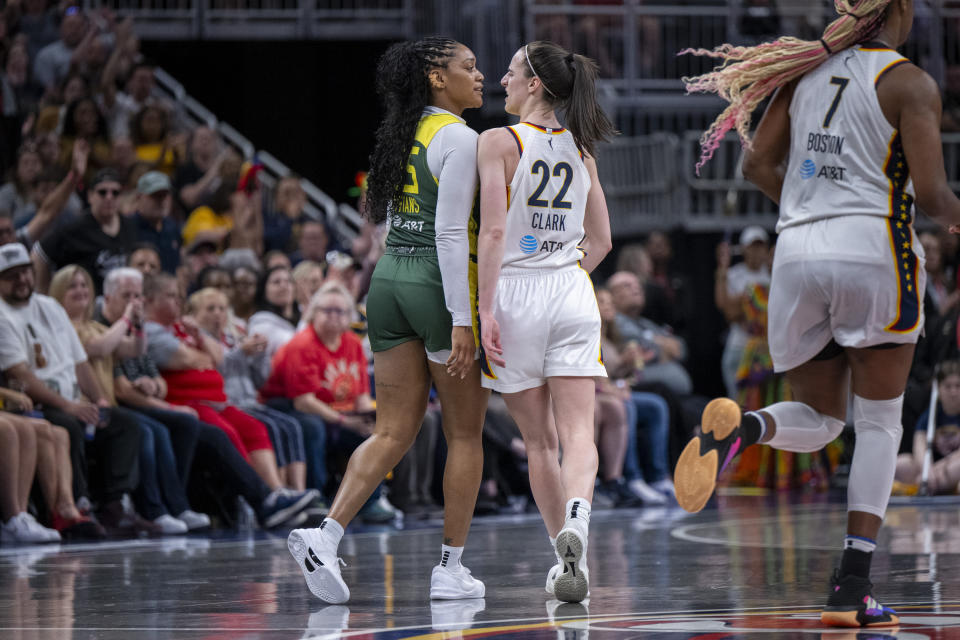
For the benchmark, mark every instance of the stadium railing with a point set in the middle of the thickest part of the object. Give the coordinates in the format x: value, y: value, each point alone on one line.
x: 267, y: 19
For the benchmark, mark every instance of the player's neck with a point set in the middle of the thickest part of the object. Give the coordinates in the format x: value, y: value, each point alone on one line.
x: 541, y: 115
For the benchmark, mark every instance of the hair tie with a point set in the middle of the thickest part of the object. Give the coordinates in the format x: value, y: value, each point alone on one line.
x: 826, y: 46
x: 526, y: 54
x: 569, y: 59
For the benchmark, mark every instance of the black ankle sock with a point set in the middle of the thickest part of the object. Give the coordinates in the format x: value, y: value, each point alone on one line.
x: 750, y: 428
x: 855, y: 562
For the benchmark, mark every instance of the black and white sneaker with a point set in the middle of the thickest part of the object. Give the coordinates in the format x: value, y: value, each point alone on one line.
x: 318, y: 561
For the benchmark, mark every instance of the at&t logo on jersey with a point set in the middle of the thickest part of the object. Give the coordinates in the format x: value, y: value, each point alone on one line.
x: 809, y: 170
x: 528, y: 244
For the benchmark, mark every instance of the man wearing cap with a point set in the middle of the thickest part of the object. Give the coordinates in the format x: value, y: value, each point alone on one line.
x: 731, y: 284
x: 40, y: 350
x: 98, y: 241
x: 152, y: 219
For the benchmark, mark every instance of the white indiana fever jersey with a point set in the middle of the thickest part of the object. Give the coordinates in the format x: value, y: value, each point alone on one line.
x: 845, y: 158
x: 545, y: 200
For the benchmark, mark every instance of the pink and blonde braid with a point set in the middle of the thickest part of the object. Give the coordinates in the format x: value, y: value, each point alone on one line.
x: 748, y: 75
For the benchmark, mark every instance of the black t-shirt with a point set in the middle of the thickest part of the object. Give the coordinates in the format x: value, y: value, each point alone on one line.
x: 184, y: 176
x: 85, y: 244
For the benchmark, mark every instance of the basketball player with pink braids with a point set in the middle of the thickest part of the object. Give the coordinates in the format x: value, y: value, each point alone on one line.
x: 848, y: 145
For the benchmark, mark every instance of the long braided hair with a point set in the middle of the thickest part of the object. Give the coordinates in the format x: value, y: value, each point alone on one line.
x: 404, y: 89
x: 748, y: 75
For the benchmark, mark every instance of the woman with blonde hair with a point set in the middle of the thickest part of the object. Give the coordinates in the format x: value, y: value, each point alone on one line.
x: 850, y: 140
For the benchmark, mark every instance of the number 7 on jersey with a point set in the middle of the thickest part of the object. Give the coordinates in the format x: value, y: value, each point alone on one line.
x: 841, y: 86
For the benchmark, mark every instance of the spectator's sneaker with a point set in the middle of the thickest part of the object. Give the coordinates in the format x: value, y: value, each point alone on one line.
x: 665, y: 487
x: 646, y: 493
x: 454, y: 583
x: 23, y: 528
x: 379, y: 512
x: 452, y: 615
x: 119, y: 518
x: 319, y: 563
x: 623, y: 498
x: 282, y: 505
x: 573, y: 583
x: 170, y: 526
x: 708, y: 454
x: 51, y: 534
x: 194, y: 520
x: 851, y: 604
x: 82, y: 528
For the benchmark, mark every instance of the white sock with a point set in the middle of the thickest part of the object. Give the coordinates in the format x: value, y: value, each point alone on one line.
x: 332, y: 531
x: 578, y: 511
x: 450, y: 556
x: 860, y: 544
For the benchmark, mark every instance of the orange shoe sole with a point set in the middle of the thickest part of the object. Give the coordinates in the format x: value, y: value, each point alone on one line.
x: 695, y: 476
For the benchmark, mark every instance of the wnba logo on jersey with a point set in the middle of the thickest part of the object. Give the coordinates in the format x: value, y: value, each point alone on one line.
x: 528, y: 244
x: 808, y: 169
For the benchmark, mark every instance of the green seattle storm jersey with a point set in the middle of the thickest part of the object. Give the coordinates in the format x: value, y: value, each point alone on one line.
x: 414, y: 224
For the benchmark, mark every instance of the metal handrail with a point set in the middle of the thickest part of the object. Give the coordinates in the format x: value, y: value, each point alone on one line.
x: 319, y: 206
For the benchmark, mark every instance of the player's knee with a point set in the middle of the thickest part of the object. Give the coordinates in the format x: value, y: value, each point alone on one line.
x: 879, y: 417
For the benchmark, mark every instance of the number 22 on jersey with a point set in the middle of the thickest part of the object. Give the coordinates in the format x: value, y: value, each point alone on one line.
x: 561, y: 168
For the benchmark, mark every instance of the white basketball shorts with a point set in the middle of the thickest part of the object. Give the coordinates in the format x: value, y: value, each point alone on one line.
x: 549, y: 327
x: 858, y: 280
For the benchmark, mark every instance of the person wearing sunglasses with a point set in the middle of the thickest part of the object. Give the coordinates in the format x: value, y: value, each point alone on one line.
x: 98, y: 241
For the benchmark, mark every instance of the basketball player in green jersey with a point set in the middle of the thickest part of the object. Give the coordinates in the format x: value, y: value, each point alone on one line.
x: 421, y: 306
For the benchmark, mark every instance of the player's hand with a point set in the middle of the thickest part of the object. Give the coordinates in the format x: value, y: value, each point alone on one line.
x: 490, y: 339
x: 462, y: 349
x: 954, y: 228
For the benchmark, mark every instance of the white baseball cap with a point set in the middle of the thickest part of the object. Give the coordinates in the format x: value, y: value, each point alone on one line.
x: 753, y: 234
x: 13, y: 255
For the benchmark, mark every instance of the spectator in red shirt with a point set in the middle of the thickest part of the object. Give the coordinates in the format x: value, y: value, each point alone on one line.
x: 187, y: 359
x: 322, y: 372
x: 323, y: 368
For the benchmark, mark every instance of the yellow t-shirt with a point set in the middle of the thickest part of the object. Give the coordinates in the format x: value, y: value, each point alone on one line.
x: 150, y: 154
x: 204, y: 219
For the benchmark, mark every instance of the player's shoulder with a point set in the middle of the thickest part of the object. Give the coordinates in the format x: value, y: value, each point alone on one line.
x: 498, y: 139
x: 461, y: 130
x: 908, y: 80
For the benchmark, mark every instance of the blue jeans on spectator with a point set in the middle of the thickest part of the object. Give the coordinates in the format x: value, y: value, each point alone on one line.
x: 648, y: 426
x: 160, y: 490
x: 314, y: 441
x: 284, y: 430
x: 184, y: 430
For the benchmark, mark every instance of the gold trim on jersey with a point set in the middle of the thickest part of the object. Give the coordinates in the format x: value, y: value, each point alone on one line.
x: 900, y: 227
x: 888, y: 68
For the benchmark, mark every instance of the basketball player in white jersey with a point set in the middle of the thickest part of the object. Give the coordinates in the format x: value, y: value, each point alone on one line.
x: 543, y: 228
x: 848, y: 144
